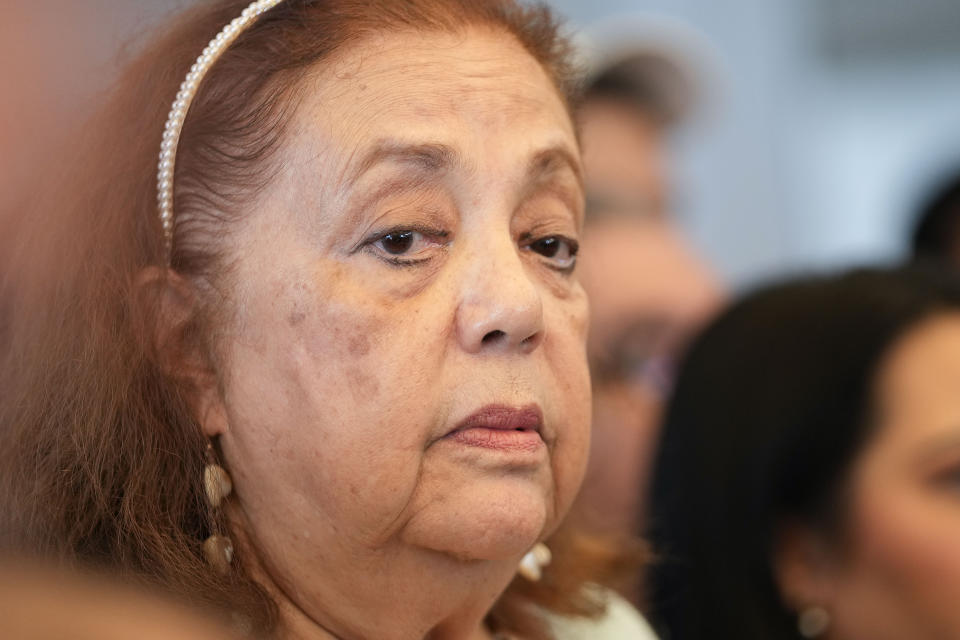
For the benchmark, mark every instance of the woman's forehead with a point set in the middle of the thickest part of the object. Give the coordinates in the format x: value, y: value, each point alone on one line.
x: 482, y: 78
x: 477, y: 103
x: 475, y: 51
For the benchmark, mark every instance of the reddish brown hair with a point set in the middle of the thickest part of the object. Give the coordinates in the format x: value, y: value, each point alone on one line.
x: 101, y: 457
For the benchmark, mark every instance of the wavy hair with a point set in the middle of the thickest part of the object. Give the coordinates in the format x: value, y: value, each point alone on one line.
x: 101, y: 457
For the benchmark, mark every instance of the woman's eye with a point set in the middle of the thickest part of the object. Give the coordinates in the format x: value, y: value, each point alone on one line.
x: 950, y: 478
x: 397, y: 244
x: 406, y: 246
x: 561, y: 251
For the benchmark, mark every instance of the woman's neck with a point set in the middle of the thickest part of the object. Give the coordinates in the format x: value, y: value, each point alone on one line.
x: 411, y: 594
x: 296, y: 625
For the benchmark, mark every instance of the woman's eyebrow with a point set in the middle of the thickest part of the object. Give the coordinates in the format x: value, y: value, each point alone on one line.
x: 430, y: 157
x: 550, y: 160
x: 543, y: 171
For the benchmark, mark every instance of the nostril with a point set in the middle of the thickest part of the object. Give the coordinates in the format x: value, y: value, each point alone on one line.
x: 493, y: 336
x: 531, y: 342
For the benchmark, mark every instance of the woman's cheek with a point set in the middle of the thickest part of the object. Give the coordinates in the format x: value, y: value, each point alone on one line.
x: 567, y: 367
x: 335, y: 370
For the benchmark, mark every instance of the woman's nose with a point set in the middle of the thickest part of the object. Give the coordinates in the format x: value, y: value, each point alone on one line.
x: 501, y: 308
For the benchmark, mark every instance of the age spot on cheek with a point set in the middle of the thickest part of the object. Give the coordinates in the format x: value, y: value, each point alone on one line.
x: 300, y: 292
x: 358, y: 345
x: 296, y: 317
x: 347, y: 337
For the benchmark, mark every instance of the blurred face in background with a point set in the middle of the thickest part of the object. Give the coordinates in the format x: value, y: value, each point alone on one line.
x: 896, y: 571
x: 647, y: 290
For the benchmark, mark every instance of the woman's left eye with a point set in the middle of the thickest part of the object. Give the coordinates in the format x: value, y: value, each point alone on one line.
x: 950, y: 477
x: 560, y: 251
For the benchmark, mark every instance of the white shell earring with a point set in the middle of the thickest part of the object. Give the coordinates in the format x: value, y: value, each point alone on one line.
x: 532, y: 564
x: 813, y: 622
x: 218, y: 551
x: 217, y: 485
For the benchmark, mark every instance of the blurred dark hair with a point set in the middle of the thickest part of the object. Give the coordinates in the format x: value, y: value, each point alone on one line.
x: 650, y: 82
x: 772, y: 404
x: 936, y: 232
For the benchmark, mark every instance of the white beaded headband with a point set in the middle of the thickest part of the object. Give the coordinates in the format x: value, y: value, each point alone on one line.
x: 178, y: 112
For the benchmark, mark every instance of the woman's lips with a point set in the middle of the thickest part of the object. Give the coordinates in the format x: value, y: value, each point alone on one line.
x: 502, y: 427
x: 498, y: 439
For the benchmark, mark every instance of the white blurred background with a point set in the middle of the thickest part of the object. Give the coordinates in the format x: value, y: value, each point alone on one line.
x: 824, y: 123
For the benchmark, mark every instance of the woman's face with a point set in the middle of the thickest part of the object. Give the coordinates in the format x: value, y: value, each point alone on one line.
x: 404, y: 358
x: 899, y: 576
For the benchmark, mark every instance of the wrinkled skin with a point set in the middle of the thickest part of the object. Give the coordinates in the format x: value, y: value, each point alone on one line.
x: 409, y: 265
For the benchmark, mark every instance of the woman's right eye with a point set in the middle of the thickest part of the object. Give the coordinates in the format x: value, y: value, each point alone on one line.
x: 406, y: 246
x: 399, y: 243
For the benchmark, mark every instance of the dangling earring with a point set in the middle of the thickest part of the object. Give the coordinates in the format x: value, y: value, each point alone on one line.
x: 218, y: 549
x: 813, y: 621
x: 532, y: 564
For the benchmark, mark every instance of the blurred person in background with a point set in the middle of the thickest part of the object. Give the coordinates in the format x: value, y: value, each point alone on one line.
x: 44, y: 603
x: 648, y: 287
x: 936, y: 232
x: 807, y: 483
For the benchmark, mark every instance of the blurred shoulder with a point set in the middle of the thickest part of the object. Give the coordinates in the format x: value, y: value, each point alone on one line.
x: 620, y: 621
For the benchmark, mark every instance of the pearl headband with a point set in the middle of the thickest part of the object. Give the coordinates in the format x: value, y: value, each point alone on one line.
x: 178, y: 112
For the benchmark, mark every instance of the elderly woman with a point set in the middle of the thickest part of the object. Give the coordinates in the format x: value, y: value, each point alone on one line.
x: 321, y: 368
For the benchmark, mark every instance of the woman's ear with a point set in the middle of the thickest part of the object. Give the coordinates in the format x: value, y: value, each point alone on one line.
x: 803, y: 566
x: 169, y: 316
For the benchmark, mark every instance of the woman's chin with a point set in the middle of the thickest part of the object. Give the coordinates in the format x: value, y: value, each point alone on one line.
x: 485, y: 523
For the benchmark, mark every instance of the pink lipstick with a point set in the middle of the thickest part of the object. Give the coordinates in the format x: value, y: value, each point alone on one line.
x: 502, y: 427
